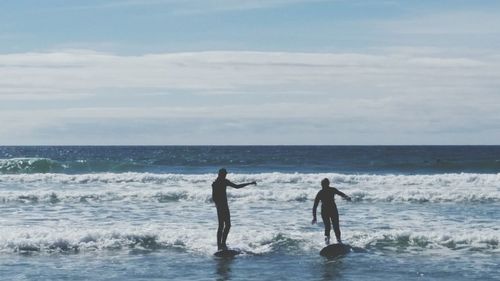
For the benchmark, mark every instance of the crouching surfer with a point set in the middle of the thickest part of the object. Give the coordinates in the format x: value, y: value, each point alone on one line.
x: 329, y: 212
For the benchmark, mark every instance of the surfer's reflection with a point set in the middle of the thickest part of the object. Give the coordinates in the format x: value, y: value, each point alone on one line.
x: 332, y: 269
x: 223, y: 270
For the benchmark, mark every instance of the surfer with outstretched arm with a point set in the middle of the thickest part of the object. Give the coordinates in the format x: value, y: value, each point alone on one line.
x: 219, y: 197
x: 329, y: 212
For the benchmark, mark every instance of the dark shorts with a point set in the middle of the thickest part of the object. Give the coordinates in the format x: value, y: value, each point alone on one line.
x: 223, y: 213
x: 330, y: 212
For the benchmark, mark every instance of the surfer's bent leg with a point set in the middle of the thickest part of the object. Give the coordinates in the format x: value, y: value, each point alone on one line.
x: 326, y: 221
x: 336, y: 226
x: 223, y: 217
x: 220, y: 228
x: 227, y: 226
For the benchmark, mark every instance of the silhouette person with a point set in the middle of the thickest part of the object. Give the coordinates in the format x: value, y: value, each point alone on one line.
x: 219, y: 197
x: 329, y: 212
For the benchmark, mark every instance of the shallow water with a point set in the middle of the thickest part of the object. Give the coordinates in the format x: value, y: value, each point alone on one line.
x: 158, y: 221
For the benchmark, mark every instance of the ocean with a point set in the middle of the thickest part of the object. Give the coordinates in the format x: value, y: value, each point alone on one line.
x: 145, y: 212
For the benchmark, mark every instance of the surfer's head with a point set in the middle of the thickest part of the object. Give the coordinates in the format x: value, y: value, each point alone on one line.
x: 325, y: 183
x: 222, y: 173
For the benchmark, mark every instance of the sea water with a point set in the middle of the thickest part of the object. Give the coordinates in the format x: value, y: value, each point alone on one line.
x: 145, y: 213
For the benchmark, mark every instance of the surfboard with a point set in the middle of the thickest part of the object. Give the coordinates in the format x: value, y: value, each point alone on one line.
x: 335, y: 250
x: 227, y: 253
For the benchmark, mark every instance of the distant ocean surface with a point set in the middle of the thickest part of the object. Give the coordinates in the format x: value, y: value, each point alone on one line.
x: 145, y: 212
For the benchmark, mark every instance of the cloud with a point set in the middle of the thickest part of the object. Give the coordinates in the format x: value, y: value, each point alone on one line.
x: 193, y: 6
x: 459, y: 22
x: 87, y: 71
x: 416, y: 97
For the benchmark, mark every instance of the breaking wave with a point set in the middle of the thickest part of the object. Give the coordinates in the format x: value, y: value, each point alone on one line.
x: 261, y: 244
x: 406, y: 241
x: 54, y: 188
x: 28, y: 165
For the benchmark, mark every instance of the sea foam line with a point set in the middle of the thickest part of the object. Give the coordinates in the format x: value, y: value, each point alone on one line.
x: 147, y: 187
x: 201, y: 242
x: 266, y: 178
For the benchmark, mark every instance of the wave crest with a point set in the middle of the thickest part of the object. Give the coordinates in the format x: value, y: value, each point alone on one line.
x: 281, y: 187
x: 250, y: 243
x: 50, y: 242
x: 400, y: 241
x: 28, y: 165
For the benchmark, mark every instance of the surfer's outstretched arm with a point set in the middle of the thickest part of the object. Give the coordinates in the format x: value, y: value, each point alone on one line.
x: 241, y: 185
x: 316, y: 202
x: 342, y: 194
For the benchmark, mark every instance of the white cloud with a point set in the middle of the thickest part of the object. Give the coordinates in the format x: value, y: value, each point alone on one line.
x: 427, y: 95
x: 195, y: 6
x: 472, y: 22
x: 77, y: 71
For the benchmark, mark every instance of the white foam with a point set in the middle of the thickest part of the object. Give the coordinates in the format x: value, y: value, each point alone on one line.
x: 254, y: 241
x: 106, y: 212
x: 271, y: 187
x: 409, y: 240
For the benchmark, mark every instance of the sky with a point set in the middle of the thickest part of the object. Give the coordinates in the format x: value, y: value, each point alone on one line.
x: 261, y: 72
